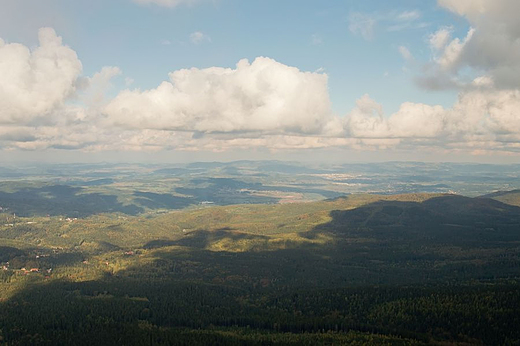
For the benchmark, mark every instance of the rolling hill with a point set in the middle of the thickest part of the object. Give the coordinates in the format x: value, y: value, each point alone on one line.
x: 396, y: 269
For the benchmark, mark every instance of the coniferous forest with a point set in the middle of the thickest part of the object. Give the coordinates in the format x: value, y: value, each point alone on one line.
x: 390, y: 269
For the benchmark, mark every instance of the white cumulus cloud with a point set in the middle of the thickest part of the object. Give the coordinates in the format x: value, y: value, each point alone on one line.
x: 46, y: 103
x: 35, y: 82
x: 482, y: 119
x: 264, y: 95
x: 491, y: 46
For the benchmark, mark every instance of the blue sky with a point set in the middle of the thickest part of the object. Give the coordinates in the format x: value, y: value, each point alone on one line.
x: 373, y: 81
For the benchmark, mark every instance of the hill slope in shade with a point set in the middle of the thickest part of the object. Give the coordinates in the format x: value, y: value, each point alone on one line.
x: 509, y: 197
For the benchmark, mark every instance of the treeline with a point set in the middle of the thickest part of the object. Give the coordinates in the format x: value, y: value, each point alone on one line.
x: 124, y: 311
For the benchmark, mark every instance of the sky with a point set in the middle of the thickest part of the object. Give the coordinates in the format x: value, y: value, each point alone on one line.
x: 197, y: 80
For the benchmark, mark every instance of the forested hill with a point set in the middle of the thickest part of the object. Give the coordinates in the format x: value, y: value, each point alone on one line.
x: 509, y: 197
x: 358, y: 269
x: 450, y: 219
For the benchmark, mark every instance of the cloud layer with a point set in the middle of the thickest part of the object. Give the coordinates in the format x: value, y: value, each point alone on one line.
x: 479, y: 120
x: 491, y: 46
x: 45, y: 102
x: 263, y: 96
